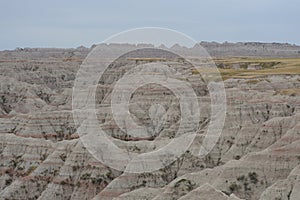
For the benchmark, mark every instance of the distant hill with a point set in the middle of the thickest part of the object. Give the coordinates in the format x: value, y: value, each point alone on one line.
x: 226, y: 49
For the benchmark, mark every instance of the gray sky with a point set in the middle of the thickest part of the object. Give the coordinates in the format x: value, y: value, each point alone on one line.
x: 57, y: 23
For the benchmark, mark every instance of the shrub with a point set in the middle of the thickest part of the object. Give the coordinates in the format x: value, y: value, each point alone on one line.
x: 253, y: 177
x: 233, y: 187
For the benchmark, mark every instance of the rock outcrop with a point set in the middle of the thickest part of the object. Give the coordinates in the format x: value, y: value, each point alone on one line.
x: 42, y: 156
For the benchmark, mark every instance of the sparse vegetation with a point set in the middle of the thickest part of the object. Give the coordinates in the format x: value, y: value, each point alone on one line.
x: 31, y: 169
x: 187, y: 183
x: 85, y: 176
x: 234, y: 187
x: 16, y: 161
x: 244, y: 184
x: 63, y: 156
x: 253, y: 177
x: 184, y: 186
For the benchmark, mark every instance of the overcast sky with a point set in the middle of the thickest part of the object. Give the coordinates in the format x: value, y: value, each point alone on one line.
x: 58, y: 23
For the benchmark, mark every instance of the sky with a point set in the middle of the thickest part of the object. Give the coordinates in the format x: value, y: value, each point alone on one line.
x: 58, y: 23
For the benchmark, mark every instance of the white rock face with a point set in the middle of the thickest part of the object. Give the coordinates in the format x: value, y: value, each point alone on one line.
x: 207, y: 192
x: 42, y: 157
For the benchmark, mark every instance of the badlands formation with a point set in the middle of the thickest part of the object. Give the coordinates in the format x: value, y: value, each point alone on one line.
x: 257, y: 156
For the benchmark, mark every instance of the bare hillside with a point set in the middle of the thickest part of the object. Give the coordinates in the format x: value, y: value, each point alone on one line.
x: 256, y: 157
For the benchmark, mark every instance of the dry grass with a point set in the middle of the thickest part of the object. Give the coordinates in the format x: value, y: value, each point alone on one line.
x: 290, y: 92
x: 271, y: 66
